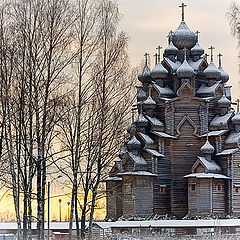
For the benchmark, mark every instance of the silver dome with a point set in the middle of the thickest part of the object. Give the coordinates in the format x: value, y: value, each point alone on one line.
x: 224, y: 76
x: 211, y: 71
x: 183, y: 37
x: 185, y: 70
x: 207, y: 148
x: 144, y: 75
x: 197, y: 50
x: 224, y: 102
x: 159, y: 71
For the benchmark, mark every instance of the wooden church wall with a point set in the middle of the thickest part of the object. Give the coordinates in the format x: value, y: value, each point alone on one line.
x: 236, y: 182
x: 185, y: 150
x: 114, y: 199
x: 219, y: 189
x: 128, y: 185
x: 143, y: 195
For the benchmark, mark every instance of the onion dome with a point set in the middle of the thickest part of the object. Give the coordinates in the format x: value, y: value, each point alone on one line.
x: 211, y: 71
x: 131, y: 129
x: 185, y: 70
x: 149, y: 103
x: 159, y: 71
x: 183, y: 37
x: 144, y: 75
x: 224, y: 76
x: 197, y: 50
x: 141, y: 94
x: 133, y: 144
x: 207, y: 148
x: 236, y: 119
x: 224, y: 102
x: 122, y: 152
x: 171, y: 50
x: 141, y: 121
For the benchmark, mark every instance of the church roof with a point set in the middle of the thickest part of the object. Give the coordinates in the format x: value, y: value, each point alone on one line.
x: 210, y: 166
x: 227, y: 151
x: 154, y: 152
x: 146, y: 138
x: 164, y: 91
x: 206, y: 175
x: 221, y: 122
x: 232, y: 139
x: 138, y: 173
x: 155, y: 123
x: 206, y: 91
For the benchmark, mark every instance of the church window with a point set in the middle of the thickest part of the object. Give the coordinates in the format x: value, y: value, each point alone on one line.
x: 193, y: 187
x: 220, y: 187
x: 128, y: 189
x: 236, y: 189
x: 162, y: 189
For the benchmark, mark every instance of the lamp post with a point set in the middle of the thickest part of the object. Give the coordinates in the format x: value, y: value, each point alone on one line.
x: 60, y: 210
x: 48, y: 190
x: 68, y: 203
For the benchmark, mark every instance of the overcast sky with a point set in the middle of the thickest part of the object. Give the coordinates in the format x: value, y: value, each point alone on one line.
x: 148, y: 22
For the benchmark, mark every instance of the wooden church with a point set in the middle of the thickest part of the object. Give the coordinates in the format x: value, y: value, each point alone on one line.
x: 182, y: 156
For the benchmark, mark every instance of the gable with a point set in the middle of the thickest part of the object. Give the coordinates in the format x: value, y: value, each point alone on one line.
x: 185, y: 91
x: 186, y: 125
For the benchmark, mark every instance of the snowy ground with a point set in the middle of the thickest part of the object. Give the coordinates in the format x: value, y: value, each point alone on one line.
x: 161, y: 237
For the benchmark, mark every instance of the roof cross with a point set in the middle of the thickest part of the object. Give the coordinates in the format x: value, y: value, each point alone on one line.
x: 238, y: 102
x: 197, y: 33
x: 156, y: 58
x: 159, y: 52
x: 169, y: 36
x: 206, y: 56
x: 211, y: 48
x: 146, y: 58
x: 182, y: 6
x: 220, y: 59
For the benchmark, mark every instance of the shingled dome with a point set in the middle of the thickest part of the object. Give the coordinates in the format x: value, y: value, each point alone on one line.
x: 141, y: 121
x: 185, y: 70
x: 149, y: 103
x: 159, y: 71
x: 211, y: 72
x: 236, y: 119
x: 133, y: 144
x: 224, y: 102
x: 224, y: 76
x: 183, y: 37
x: 144, y: 75
x: 207, y: 148
x: 197, y: 50
x: 171, y: 50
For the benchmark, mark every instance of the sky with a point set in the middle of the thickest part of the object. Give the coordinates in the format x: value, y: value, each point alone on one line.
x: 148, y: 22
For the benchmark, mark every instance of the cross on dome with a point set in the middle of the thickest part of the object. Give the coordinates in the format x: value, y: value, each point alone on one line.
x: 220, y: 58
x: 182, y: 6
x: 206, y: 56
x: 156, y: 58
x: 146, y: 55
x: 238, y: 103
x: 211, y: 49
x: 197, y: 33
x: 159, y: 52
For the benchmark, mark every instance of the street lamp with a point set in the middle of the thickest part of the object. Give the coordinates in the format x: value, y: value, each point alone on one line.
x: 48, y: 188
x: 60, y: 210
x: 68, y: 203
